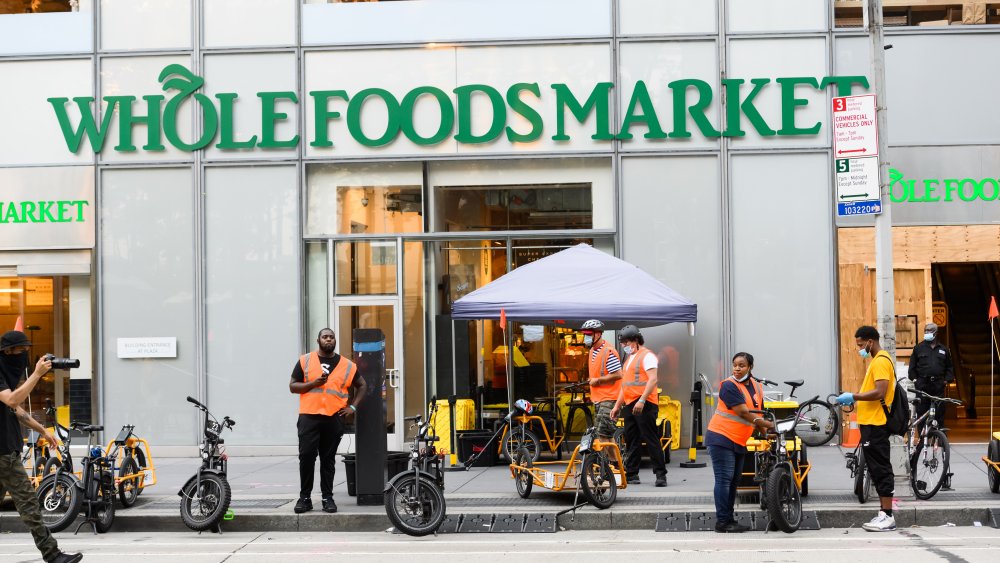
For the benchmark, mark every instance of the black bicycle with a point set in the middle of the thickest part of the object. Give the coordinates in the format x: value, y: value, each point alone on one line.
x: 62, y: 496
x: 61, y: 457
x: 414, y: 499
x: 206, y: 496
x: 929, y: 450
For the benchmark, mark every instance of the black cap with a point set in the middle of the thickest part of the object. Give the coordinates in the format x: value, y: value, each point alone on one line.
x: 13, y: 338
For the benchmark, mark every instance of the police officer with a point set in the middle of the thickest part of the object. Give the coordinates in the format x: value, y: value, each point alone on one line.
x: 932, y: 369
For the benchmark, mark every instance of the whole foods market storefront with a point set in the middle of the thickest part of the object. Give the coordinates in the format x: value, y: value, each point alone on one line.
x: 326, y: 165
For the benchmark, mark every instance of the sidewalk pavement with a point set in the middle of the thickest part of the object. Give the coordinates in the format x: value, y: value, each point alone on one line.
x: 265, y: 490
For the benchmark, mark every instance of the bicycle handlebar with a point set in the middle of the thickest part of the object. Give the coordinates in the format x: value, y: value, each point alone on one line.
x: 195, y: 402
x: 920, y: 393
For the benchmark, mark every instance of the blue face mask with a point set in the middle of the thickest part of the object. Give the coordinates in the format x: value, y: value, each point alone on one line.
x: 928, y: 336
x: 864, y: 353
x: 627, y: 349
x: 588, y: 340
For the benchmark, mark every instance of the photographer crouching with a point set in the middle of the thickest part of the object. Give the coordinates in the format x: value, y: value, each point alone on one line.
x: 14, y: 346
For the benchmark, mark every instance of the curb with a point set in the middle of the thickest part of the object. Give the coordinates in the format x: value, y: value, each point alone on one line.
x: 583, y: 520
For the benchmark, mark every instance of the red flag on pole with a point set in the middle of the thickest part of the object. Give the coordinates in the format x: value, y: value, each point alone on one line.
x: 993, y: 308
x: 19, y: 324
x: 503, y: 320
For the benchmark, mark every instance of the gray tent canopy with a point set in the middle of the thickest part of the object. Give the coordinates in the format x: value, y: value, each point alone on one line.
x: 574, y: 285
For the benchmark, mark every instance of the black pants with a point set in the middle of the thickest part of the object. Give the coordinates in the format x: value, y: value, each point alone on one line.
x: 640, y: 428
x: 925, y: 404
x: 318, y: 434
x: 875, y: 444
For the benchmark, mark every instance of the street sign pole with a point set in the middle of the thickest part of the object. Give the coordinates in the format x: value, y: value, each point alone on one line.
x: 885, y: 299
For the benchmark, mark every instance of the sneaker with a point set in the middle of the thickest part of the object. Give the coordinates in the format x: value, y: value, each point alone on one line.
x: 303, y: 505
x: 66, y: 558
x: 329, y: 506
x: 731, y: 528
x: 661, y: 480
x: 882, y: 522
x: 633, y: 480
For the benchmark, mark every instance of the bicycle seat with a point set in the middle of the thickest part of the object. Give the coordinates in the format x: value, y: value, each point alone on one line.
x: 795, y: 383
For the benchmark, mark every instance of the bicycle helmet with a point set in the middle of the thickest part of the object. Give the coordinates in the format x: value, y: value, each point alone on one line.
x: 629, y: 332
x: 593, y: 325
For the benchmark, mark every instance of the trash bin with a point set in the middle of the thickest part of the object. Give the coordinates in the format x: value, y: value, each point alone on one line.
x: 395, y: 463
x: 473, y: 442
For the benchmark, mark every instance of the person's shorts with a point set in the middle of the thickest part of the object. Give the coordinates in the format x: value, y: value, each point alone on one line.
x: 605, y: 426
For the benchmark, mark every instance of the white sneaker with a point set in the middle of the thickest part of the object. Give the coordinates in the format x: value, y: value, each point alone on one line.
x: 882, y: 522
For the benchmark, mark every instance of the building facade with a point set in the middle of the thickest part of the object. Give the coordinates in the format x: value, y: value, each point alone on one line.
x: 193, y: 188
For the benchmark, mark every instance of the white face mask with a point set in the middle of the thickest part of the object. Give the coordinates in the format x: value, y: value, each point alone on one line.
x: 928, y: 336
x: 627, y: 349
x: 745, y: 377
x: 588, y: 340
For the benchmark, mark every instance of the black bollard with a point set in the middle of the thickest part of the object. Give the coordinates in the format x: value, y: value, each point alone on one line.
x: 369, y: 355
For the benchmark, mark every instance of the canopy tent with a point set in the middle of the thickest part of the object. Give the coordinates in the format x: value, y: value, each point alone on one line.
x: 574, y: 285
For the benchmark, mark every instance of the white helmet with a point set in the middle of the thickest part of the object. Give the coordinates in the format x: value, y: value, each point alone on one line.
x: 593, y: 324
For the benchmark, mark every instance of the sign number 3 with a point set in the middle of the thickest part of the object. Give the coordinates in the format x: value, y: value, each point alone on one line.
x: 839, y: 104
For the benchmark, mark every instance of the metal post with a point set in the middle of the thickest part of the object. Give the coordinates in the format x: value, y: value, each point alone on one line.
x: 885, y: 299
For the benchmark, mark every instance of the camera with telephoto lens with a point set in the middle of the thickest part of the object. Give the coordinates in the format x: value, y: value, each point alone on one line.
x: 62, y: 363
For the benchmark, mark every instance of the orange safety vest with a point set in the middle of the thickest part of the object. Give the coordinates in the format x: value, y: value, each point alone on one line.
x: 731, y: 425
x: 332, y: 396
x: 599, y: 368
x: 634, y: 380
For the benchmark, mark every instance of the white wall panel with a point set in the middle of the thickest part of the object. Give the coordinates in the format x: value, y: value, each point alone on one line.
x: 653, y: 17
x: 769, y: 16
x: 31, y: 132
x: 138, y: 76
x: 658, y: 64
x: 799, y: 57
x: 145, y: 24
x: 57, y: 32
x: 247, y: 75
x: 954, y: 103
x: 782, y: 267
x: 242, y: 23
x: 453, y: 20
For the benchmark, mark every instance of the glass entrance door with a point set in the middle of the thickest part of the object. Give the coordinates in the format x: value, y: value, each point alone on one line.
x: 381, y: 313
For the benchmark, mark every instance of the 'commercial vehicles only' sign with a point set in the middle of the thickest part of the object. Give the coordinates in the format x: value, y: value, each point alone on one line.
x: 855, y: 146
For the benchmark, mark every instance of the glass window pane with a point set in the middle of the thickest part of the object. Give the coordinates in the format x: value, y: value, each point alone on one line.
x: 317, y: 294
x: 528, y: 194
x: 776, y: 15
x: 261, y: 23
x: 413, y: 331
x: 252, y: 286
x: 364, y: 198
x: 650, y: 17
x: 150, y: 264
x: 127, y: 24
x: 366, y: 268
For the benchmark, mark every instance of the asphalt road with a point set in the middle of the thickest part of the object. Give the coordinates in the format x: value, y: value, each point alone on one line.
x: 913, y: 545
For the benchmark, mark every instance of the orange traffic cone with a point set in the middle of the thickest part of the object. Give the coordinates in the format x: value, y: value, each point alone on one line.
x: 19, y: 324
x: 850, y: 437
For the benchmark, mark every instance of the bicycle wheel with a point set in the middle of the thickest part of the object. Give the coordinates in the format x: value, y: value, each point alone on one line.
x: 523, y: 480
x: 784, y: 503
x: 929, y: 464
x: 128, y: 490
x: 519, y: 438
x: 619, y: 438
x: 202, y: 508
x: 993, y: 453
x: 59, y: 501
x: 415, y: 510
x: 106, y: 514
x: 598, y: 481
x: 862, y: 479
x: 816, y: 422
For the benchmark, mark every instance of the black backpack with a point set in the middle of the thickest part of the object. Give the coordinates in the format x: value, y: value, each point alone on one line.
x: 897, y: 418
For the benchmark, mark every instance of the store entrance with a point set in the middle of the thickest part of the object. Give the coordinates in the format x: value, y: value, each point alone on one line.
x: 39, y: 307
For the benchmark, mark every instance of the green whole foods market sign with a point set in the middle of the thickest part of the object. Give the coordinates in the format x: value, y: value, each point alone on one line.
x: 690, y: 99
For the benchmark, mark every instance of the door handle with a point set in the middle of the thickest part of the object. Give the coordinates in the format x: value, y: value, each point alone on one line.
x: 393, y: 376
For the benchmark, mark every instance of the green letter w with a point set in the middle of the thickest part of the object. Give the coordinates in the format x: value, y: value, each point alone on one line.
x: 87, y: 124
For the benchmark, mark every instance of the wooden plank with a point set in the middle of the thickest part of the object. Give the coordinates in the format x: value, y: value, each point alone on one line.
x: 923, y: 245
x: 854, y: 311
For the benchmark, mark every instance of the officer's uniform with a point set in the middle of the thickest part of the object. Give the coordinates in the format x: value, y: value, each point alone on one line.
x: 931, y: 368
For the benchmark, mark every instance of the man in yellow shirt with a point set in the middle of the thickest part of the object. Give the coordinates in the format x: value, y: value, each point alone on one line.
x: 877, y: 389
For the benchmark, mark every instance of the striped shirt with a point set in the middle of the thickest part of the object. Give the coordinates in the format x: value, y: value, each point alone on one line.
x: 612, y: 364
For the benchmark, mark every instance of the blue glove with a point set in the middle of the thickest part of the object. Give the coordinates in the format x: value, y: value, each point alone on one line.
x: 846, y: 399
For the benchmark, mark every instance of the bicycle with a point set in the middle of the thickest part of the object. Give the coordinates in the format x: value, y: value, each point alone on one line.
x: 522, y: 435
x: 60, y: 456
x: 205, y: 497
x: 780, y: 483
x: 63, y: 496
x: 857, y: 465
x: 928, y: 451
x: 414, y: 499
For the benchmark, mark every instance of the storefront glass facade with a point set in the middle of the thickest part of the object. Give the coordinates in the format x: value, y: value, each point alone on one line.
x: 362, y: 165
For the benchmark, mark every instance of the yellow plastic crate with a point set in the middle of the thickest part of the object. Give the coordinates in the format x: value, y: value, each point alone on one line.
x: 670, y: 410
x: 465, y: 419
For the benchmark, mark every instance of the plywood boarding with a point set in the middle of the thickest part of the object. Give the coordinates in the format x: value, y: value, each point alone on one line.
x: 920, y: 246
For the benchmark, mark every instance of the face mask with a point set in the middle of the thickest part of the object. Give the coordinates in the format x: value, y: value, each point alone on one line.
x: 864, y: 352
x: 627, y: 349
x: 745, y: 377
x: 588, y: 340
x: 928, y: 336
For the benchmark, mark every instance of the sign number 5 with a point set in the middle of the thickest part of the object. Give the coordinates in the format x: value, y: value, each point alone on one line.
x: 839, y: 104
x: 843, y: 166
